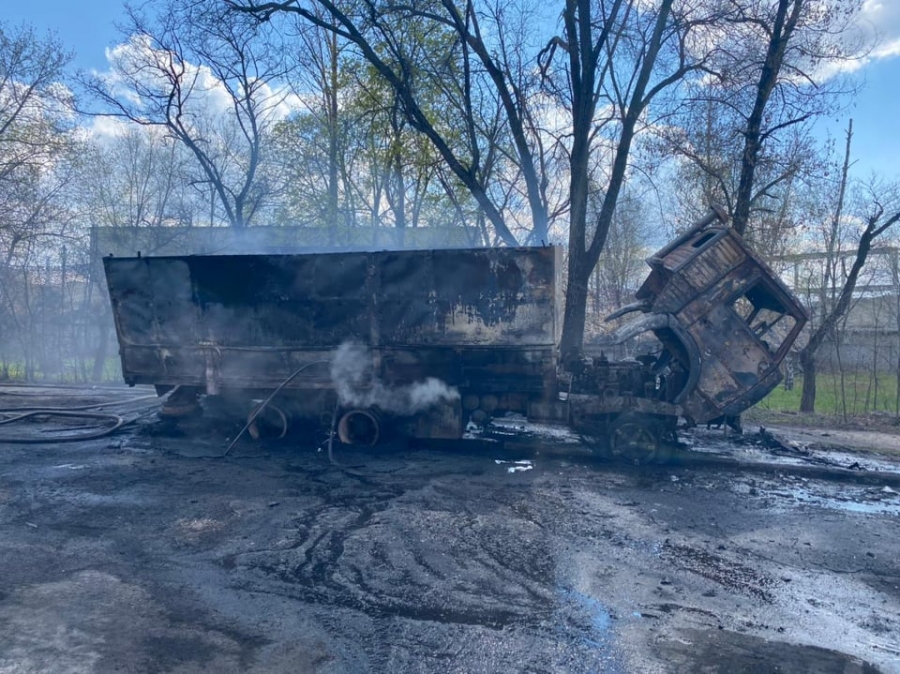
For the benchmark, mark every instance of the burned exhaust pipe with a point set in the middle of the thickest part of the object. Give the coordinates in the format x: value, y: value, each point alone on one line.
x: 359, y: 427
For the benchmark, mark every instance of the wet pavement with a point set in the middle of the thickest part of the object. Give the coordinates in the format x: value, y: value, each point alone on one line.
x: 148, y: 552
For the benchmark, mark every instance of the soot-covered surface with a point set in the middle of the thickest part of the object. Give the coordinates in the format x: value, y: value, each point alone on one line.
x: 142, y: 552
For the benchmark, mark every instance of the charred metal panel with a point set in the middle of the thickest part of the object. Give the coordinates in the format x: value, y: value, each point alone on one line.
x: 674, y: 294
x: 736, y: 357
x: 248, y: 321
x: 714, y: 261
x: 733, y: 361
x: 753, y: 396
x: 675, y: 258
x: 265, y: 240
x: 591, y: 406
x: 692, y: 269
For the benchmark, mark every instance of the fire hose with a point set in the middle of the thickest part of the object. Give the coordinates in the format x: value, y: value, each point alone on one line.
x: 79, y: 412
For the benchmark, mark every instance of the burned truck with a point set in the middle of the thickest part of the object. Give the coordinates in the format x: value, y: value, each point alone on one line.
x: 434, y: 341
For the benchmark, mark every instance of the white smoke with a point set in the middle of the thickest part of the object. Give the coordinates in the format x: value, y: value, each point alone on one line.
x: 354, y: 379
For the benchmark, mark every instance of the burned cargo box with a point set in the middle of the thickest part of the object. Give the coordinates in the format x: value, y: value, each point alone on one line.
x: 485, y: 321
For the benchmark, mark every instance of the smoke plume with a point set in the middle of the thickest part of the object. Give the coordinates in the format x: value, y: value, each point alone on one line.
x: 354, y: 379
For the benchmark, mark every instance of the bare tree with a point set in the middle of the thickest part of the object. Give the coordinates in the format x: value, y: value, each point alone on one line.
x: 209, y: 83
x: 136, y: 178
x: 311, y: 146
x: 362, y: 164
x: 707, y: 170
x: 620, y: 270
x: 746, y: 128
x: 622, y: 59
x: 35, y: 113
x: 36, y: 164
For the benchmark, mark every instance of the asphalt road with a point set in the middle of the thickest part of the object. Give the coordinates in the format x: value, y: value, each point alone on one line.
x: 145, y: 552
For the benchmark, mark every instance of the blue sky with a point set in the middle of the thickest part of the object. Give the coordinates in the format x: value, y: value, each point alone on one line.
x: 876, y: 120
x: 86, y: 27
x: 89, y: 28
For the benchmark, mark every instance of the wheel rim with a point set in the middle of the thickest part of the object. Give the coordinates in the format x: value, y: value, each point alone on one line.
x: 635, y: 441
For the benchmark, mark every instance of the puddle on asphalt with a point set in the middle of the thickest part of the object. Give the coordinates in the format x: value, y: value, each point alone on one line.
x: 517, y: 427
x: 870, y: 502
x: 793, y: 491
x: 599, y: 616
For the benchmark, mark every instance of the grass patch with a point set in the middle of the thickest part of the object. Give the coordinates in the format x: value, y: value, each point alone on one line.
x: 858, y: 394
x: 71, y: 371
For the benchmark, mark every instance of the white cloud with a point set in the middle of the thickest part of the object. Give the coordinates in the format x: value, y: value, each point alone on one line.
x: 882, y: 17
x: 877, y: 29
x: 103, y: 129
x: 887, y: 49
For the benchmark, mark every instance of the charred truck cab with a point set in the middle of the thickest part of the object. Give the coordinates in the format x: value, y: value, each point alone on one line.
x: 724, y: 322
x: 429, y: 342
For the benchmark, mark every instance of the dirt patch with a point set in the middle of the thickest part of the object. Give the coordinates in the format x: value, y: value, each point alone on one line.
x: 728, y: 573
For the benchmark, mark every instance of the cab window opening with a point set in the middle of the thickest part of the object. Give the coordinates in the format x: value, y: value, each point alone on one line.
x: 765, y: 316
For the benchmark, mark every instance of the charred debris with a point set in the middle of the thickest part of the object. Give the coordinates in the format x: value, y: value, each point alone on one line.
x: 430, y: 342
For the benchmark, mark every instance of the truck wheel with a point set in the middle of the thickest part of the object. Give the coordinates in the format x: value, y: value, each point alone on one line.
x: 635, y: 438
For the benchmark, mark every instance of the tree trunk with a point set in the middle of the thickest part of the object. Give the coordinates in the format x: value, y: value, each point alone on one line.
x: 809, y: 367
x: 333, y: 140
x: 782, y: 30
x: 576, y: 306
x: 400, y: 199
x: 840, y: 403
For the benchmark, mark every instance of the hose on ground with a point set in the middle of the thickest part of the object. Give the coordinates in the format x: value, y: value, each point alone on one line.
x: 117, y: 421
x: 77, y: 412
x: 77, y: 408
x: 265, y: 402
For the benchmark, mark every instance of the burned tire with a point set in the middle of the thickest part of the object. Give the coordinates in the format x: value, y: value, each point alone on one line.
x: 271, y: 422
x: 359, y: 427
x: 635, y: 438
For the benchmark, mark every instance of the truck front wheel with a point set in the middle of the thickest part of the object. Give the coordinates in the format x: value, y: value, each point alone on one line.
x: 635, y: 438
